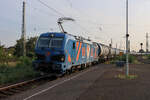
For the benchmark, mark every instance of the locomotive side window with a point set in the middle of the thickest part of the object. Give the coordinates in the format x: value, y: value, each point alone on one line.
x: 73, y: 45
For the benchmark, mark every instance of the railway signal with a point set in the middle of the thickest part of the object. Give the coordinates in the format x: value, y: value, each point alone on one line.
x: 141, y: 45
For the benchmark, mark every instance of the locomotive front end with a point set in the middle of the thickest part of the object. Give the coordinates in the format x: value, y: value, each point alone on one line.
x: 50, y: 55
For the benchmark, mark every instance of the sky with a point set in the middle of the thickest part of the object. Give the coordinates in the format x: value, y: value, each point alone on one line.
x: 101, y: 20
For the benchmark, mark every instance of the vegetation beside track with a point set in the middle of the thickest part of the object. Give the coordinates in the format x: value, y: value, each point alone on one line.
x: 144, y: 59
x: 129, y: 77
x: 14, y: 67
x: 22, y: 71
x: 148, y: 56
x: 132, y: 59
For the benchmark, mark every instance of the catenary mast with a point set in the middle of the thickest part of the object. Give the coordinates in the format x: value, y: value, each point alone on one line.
x: 23, y: 37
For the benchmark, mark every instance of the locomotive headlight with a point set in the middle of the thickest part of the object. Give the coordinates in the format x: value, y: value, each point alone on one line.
x: 62, y: 59
x: 52, y: 35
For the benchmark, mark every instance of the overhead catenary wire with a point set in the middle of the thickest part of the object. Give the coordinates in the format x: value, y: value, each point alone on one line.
x: 83, y: 28
x: 42, y: 11
x: 98, y: 28
x: 83, y: 13
x: 80, y: 19
x: 51, y: 8
x: 59, y: 13
x: 87, y: 31
x: 94, y: 23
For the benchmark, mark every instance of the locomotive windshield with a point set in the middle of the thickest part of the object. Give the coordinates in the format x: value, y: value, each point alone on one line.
x: 46, y: 42
x: 56, y: 42
x: 43, y: 42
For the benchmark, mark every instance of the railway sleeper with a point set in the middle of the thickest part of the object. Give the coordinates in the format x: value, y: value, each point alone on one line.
x: 14, y: 90
x: 8, y: 93
x: 18, y: 89
x: 3, y: 96
x: 21, y: 88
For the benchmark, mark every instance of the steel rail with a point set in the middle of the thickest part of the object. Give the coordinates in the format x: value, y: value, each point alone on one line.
x: 21, y: 83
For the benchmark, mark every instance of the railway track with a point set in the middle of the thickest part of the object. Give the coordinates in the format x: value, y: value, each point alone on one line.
x: 10, y: 90
x: 19, y: 87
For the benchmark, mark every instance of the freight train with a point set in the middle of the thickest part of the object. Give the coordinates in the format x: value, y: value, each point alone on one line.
x: 61, y: 53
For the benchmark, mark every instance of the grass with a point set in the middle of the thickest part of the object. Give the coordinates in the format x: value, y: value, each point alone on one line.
x: 136, y: 62
x: 132, y: 59
x: 148, y: 56
x: 130, y: 77
x: 21, y: 71
x: 12, y: 63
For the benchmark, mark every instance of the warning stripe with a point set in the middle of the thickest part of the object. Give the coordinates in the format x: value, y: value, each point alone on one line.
x: 69, y: 58
x: 77, y: 44
x: 92, y: 52
x: 79, y: 52
x: 88, y: 51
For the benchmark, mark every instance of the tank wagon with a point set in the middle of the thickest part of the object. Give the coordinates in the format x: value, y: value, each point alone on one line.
x: 60, y: 53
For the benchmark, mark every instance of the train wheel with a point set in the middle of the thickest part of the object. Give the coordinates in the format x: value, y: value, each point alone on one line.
x: 42, y: 74
x: 71, y: 70
x: 90, y: 64
x: 67, y: 72
x: 85, y: 65
x: 63, y: 74
x: 82, y: 66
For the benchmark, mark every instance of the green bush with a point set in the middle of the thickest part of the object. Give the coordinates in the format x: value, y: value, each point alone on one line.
x: 131, y: 58
x: 148, y: 56
x: 25, y: 61
x: 22, y: 71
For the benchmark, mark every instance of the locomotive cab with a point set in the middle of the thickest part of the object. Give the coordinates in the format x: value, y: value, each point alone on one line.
x: 50, y: 55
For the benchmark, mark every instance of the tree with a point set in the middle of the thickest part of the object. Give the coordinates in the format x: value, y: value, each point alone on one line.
x: 30, y: 45
x: 10, y: 53
x: 18, y: 48
x: 3, y: 55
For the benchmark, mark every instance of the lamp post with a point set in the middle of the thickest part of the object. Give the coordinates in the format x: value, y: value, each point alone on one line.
x: 127, y: 36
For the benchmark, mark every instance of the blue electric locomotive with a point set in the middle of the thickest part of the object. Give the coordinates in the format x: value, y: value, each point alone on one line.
x: 61, y: 52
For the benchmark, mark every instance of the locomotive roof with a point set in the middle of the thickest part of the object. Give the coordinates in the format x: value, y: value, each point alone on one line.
x: 63, y: 34
x: 56, y: 33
